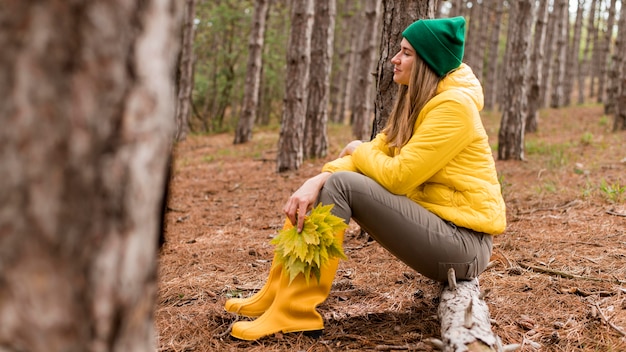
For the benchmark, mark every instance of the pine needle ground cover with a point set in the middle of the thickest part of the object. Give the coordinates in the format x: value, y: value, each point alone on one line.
x: 552, y: 278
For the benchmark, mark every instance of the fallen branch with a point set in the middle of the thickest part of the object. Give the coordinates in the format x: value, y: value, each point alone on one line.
x: 465, y: 322
x: 544, y: 270
x: 615, y: 327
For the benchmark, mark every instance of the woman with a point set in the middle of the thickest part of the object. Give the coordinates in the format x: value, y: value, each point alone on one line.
x: 425, y: 188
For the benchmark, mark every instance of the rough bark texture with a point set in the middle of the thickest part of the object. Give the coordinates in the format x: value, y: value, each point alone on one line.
x: 515, y: 105
x: 536, y: 68
x: 363, y: 88
x: 397, y: 15
x: 253, y: 74
x: 619, y: 122
x: 558, y: 73
x: 185, y: 78
x: 492, y: 77
x: 315, y: 137
x: 464, y: 317
x: 291, y: 141
x: 87, y: 115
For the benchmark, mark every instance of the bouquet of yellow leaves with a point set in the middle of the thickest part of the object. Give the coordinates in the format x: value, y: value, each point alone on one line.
x: 306, y: 252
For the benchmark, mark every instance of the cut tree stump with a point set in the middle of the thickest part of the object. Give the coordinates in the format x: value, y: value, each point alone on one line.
x: 465, y: 321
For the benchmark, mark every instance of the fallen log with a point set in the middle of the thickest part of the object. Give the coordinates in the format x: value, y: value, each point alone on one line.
x: 465, y: 321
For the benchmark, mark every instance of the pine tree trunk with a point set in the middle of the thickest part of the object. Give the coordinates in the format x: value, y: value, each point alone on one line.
x: 515, y: 105
x: 185, y: 79
x: 619, y: 122
x: 363, y: 87
x: 397, y: 15
x: 492, y: 78
x: 245, y: 125
x: 585, y: 71
x: 315, y: 137
x: 88, y: 100
x: 536, y: 68
x: 291, y: 140
x: 558, y: 73
x: 605, y: 53
x: 573, y: 63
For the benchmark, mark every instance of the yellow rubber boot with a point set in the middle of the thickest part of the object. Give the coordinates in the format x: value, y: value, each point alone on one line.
x: 258, y: 303
x: 293, y: 308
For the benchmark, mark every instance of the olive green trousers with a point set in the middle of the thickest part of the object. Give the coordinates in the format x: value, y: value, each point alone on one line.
x: 419, y: 238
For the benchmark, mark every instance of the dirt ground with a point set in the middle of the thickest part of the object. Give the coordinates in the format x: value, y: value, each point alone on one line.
x: 557, y: 280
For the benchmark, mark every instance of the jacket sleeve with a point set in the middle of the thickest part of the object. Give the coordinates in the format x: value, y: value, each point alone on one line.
x: 346, y: 163
x: 442, y: 133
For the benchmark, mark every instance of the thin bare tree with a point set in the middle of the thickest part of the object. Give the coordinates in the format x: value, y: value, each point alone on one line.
x: 515, y: 104
x: 291, y: 140
x: 492, y: 78
x: 243, y: 133
x: 363, y: 80
x: 185, y: 73
x: 573, y: 62
x: 536, y: 68
x: 87, y: 97
x: 315, y: 134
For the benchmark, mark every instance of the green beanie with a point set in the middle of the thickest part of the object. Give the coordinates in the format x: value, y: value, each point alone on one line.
x: 439, y: 42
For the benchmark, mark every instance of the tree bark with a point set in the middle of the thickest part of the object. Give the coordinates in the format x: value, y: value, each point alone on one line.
x: 558, y: 73
x: 87, y: 102
x: 185, y: 77
x: 619, y: 121
x: 573, y: 62
x: 492, y: 77
x: 363, y: 87
x: 515, y: 106
x: 605, y: 53
x: 315, y: 136
x: 536, y: 68
x: 397, y: 15
x: 291, y: 140
x: 243, y: 133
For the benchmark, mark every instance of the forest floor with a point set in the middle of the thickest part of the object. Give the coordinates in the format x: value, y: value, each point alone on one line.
x: 557, y: 280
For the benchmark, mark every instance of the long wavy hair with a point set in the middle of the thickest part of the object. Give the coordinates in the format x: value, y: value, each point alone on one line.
x: 410, y: 100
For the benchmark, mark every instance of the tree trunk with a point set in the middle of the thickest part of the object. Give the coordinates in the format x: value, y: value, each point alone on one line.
x: 492, y: 77
x: 515, y: 105
x: 397, y: 15
x: 245, y: 125
x: 291, y: 140
x: 585, y: 70
x: 573, y: 62
x: 87, y: 97
x: 185, y: 77
x: 363, y: 88
x: 315, y: 137
x: 548, y: 59
x: 605, y: 53
x: 619, y: 122
x: 536, y: 68
x: 594, y: 62
x: 558, y: 73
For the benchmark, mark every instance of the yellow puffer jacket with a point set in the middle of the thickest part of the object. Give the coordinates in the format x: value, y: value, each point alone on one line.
x: 447, y: 165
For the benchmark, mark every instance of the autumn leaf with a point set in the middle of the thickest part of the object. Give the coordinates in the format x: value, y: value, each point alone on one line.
x: 308, y: 251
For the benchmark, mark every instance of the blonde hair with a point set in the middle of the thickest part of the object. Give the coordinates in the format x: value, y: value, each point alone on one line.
x: 410, y: 100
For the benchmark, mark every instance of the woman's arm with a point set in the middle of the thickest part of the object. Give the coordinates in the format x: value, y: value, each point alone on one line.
x: 303, y: 198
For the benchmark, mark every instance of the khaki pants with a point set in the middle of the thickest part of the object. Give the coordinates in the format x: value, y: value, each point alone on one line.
x: 419, y: 238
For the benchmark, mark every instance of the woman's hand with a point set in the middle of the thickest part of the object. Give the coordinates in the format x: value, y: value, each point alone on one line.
x: 303, y: 199
x: 349, y: 148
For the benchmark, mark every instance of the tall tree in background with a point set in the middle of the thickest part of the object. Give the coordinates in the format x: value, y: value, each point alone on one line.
x: 515, y: 105
x: 605, y: 53
x: 87, y: 97
x: 619, y: 121
x: 185, y: 72
x: 397, y: 15
x: 366, y: 60
x: 536, y: 68
x: 315, y: 136
x: 243, y: 132
x: 291, y: 140
x: 573, y: 62
x: 561, y: 11
x: 585, y: 64
x: 492, y: 78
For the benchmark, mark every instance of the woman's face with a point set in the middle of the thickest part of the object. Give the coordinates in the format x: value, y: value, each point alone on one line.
x: 403, y: 62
